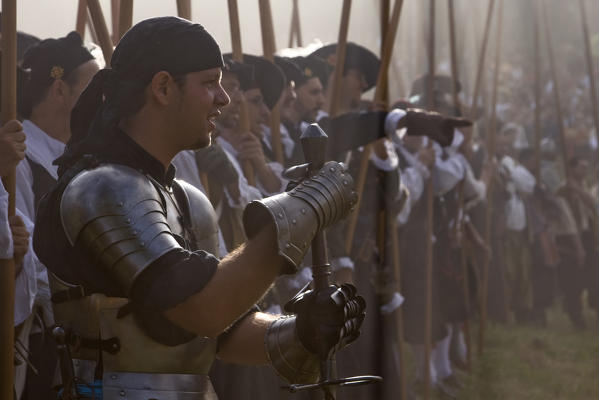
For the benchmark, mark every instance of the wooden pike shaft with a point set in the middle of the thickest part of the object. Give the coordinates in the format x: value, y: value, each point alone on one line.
x: 537, y: 138
x: 298, y: 25
x: 460, y: 210
x: 340, y: 57
x: 125, y: 17
x: 589, y: 59
x: 403, y: 395
x: 429, y: 213
x: 492, y: 132
x: 453, y: 54
x: 481, y: 61
x: 244, y: 121
x: 101, y: 29
x: 295, y: 31
x: 115, y: 10
x: 556, y: 92
x: 378, y: 96
x: 184, y: 9
x: 81, y: 18
x: 7, y: 266
x: 269, y: 48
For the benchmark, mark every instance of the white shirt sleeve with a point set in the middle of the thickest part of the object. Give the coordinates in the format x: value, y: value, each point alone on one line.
x: 388, y: 164
x: 25, y: 199
x: 523, y: 180
x: 447, y: 174
x: 26, y: 282
x: 6, y: 250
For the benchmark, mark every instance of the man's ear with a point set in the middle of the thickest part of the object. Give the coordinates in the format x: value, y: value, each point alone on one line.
x: 161, y: 87
x: 58, y: 91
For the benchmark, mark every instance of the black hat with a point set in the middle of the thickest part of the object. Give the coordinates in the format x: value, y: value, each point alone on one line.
x: 170, y: 44
x: 269, y: 78
x: 311, y: 67
x: 244, y: 72
x: 53, y: 59
x: 356, y: 57
x: 47, y: 61
x: 290, y: 69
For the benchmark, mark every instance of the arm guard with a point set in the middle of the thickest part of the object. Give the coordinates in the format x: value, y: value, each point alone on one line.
x: 314, y: 204
x: 116, y: 214
x: 287, y: 355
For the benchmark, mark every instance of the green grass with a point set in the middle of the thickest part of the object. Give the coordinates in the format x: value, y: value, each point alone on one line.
x: 522, y: 362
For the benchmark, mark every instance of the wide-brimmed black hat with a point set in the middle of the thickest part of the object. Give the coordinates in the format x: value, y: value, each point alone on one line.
x: 290, y: 69
x: 356, y: 57
x: 268, y: 77
x: 244, y: 72
x: 313, y: 67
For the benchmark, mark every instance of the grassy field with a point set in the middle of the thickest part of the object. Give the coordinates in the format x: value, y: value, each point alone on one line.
x: 521, y: 362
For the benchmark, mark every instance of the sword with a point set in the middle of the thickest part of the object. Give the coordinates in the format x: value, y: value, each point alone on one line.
x: 314, y: 143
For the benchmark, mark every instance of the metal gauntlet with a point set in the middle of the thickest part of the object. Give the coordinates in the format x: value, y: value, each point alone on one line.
x: 287, y: 355
x: 314, y: 204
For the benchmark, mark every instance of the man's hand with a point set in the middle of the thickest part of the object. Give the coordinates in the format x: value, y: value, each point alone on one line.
x: 12, y: 146
x: 250, y: 149
x: 213, y: 161
x: 432, y: 124
x: 20, y: 238
x: 328, y: 319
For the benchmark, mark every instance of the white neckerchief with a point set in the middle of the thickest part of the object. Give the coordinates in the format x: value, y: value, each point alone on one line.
x: 41, y: 148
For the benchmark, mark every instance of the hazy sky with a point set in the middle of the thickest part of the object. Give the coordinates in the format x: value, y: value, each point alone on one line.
x: 54, y: 18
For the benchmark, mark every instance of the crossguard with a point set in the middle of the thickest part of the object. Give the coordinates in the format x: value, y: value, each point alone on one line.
x: 351, y: 381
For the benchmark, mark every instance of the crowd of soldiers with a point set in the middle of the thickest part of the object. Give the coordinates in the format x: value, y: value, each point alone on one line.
x: 543, y: 242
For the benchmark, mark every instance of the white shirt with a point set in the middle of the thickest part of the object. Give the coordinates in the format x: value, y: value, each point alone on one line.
x: 43, y: 150
x: 25, y: 282
x: 6, y: 250
x: 520, y: 181
x: 187, y: 170
x: 413, y: 178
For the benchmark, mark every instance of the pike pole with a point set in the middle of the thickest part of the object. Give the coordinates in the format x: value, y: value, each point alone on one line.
x: 7, y: 266
x: 244, y: 121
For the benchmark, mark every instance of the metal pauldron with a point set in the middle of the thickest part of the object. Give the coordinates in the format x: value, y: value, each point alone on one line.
x: 287, y: 355
x: 314, y: 204
x: 117, y: 215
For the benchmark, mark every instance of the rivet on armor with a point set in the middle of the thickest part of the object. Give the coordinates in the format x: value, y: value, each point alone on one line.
x: 142, y: 244
x: 135, y: 232
x: 122, y: 393
x: 280, y: 215
x: 322, y: 173
x: 303, y: 210
x: 345, y: 183
x: 113, y: 377
x: 128, y: 220
x: 332, y: 169
x: 287, y: 246
x: 293, y: 221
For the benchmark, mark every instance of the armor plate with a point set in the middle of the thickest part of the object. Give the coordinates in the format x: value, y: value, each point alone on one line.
x: 127, y: 221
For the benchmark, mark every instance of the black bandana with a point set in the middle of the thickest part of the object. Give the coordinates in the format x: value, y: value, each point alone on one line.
x: 169, y: 44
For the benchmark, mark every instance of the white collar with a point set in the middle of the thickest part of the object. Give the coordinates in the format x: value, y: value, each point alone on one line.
x: 41, y: 148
